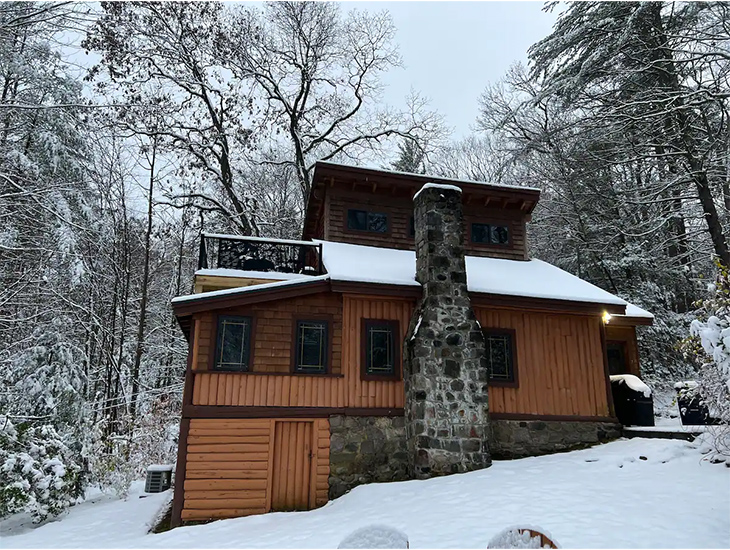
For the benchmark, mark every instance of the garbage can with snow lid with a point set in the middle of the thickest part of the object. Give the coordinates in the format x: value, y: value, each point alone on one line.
x: 159, y: 478
x: 632, y: 400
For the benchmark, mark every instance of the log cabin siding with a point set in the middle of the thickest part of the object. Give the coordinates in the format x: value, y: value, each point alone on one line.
x: 230, y: 469
x: 560, y: 364
x: 400, y: 211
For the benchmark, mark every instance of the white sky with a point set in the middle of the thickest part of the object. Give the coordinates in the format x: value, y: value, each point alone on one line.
x: 452, y: 50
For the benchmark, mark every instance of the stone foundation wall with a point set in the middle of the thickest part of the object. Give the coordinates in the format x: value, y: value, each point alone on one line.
x: 518, y: 438
x: 366, y: 449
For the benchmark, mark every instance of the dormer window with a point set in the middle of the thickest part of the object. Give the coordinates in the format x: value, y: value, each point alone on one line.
x: 363, y: 220
x: 490, y: 234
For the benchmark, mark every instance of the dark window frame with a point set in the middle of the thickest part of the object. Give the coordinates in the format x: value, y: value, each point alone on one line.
x: 329, y: 337
x: 394, y: 325
x: 367, y: 210
x: 492, y: 223
x: 514, y: 379
x: 213, y: 362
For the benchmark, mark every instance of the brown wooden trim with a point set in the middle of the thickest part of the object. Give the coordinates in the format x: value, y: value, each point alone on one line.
x: 264, y: 373
x: 232, y: 411
x: 395, y: 327
x: 251, y: 295
x: 607, y: 376
x: 480, y: 299
x: 515, y: 382
x: 412, y: 292
x: 330, y: 320
x: 214, y: 343
x: 626, y: 321
x: 178, y: 498
x: 551, y: 417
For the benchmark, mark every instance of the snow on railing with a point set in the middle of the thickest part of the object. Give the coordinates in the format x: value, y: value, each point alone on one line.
x: 259, y: 254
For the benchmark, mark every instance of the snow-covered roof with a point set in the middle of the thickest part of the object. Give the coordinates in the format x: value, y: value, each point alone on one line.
x: 532, y: 278
x: 240, y: 273
x: 446, y: 186
x: 426, y: 176
x: 248, y: 289
x: 636, y: 311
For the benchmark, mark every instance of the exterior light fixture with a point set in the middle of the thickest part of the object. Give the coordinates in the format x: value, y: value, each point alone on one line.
x: 606, y: 317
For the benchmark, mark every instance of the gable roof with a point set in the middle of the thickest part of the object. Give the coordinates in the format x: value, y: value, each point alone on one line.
x: 405, y: 184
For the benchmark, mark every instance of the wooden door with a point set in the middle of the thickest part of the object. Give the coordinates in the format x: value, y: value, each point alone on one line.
x: 292, y: 466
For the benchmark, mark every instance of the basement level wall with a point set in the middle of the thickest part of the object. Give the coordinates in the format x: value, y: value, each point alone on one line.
x: 240, y: 467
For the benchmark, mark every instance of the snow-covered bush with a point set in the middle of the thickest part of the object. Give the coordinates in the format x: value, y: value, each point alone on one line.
x: 709, y: 346
x: 47, y: 377
x: 117, y: 460
x: 39, y: 474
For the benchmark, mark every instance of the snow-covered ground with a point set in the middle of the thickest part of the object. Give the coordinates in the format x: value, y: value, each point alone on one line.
x: 638, y: 493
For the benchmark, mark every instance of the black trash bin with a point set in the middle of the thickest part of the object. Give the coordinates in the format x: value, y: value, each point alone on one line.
x: 692, y: 410
x: 632, y: 407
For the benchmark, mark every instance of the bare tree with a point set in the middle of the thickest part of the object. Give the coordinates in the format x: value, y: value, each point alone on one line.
x: 160, y: 54
x: 316, y: 77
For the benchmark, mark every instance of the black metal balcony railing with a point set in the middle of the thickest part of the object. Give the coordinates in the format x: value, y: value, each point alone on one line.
x: 259, y: 254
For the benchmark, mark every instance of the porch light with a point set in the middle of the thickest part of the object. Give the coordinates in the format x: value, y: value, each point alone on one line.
x: 606, y: 317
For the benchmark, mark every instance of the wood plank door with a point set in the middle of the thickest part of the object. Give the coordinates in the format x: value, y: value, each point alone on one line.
x: 292, y: 466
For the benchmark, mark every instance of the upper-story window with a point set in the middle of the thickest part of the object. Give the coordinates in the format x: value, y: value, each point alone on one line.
x: 364, y: 220
x: 489, y: 233
x: 233, y: 343
x: 310, y: 355
x: 381, y: 352
x: 501, y: 356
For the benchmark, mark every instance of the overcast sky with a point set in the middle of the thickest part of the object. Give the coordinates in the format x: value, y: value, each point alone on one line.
x: 452, y: 50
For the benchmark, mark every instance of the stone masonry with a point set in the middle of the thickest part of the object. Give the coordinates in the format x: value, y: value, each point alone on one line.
x: 518, y: 438
x: 366, y: 449
x: 445, y: 369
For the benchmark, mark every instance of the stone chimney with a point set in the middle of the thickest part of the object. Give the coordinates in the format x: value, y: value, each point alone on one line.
x: 445, y: 367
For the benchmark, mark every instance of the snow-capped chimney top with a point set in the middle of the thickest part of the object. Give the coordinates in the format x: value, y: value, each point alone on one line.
x: 439, y: 225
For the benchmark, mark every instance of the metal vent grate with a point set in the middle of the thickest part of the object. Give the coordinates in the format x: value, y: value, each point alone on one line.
x: 159, y: 478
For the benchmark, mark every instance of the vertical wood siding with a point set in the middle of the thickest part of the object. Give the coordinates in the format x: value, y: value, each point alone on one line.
x: 364, y: 393
x: 559, y: 364
x: 292, y: 466
x: 281, y: 390
x: 231, y: 467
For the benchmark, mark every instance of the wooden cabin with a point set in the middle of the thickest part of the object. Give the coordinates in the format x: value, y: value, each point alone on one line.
x: 298, y: 382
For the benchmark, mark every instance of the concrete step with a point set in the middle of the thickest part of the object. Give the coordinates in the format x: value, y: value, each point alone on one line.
x: 687, y: 433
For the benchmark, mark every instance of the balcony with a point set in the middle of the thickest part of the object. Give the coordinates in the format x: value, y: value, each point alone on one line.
x: 259, y: 254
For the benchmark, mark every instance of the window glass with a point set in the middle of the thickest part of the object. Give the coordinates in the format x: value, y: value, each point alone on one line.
x: 380, y: 352
x: 490, y: 234
x: 499, y: 356
x: 362, y: 220
x: 357, y: 220
x: 233, y: 343
x: 377, y: 222
x: 311, y: 351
